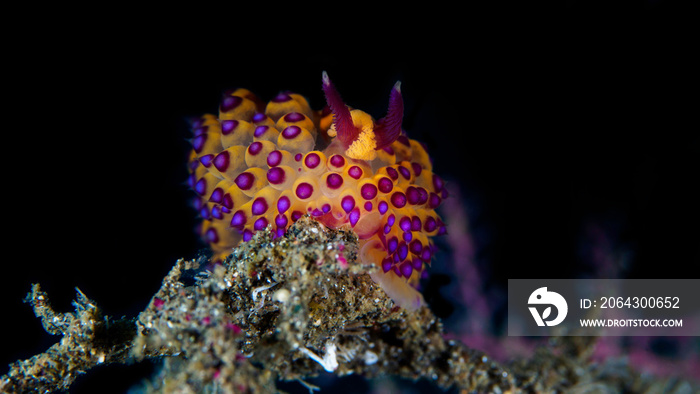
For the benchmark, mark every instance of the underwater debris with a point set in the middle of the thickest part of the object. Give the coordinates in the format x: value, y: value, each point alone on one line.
x: 215, y: 336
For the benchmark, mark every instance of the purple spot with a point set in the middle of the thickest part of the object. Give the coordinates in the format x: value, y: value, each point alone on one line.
x: 386, y: 264
x: 201, y: 186
x: 255, y: 148
x: 304, y: 190
x: 393, y: 174
x: 425, y: 254
x: 416, y: 223
x: 298, y: 157
x: 354, y: 216
x: 368, y: 191
x: 206, y: 160
x: 217, y: 195
x: 407, y: 236
x: 316, y: 212
x: 296, y: 215
x: 326, y: 208
x: 417, y: 264
x: 259, y: 117
x: 407, y: 269
x: 355, y: 172
x: 404, y: 172
x: 438, y: 183
x: 337, y: 161
x: 347, y: 203
x: 423, y: 195
x: 312, y: 160
x: 402, y: 251
x: 283, y: 204
x: 260, y: 224
x: 385, y: 185
x: 227, y: 126
x: 387, y: 229
x: 274, y: 158
x: 247, y: 235
x: 392, y: 244
x: 404, y: 140
x: 383, y: 207
x: 282, y: 97
x: 230, y: 102
x: 276, y: 175
x: 245, y: 180
x: 391, y: 219
x: 221, y: 161
x: 412, y: 195
x: 216, y: 212
x: 405, y: 223
x: 294, y: 117
x: 198, y: 142
x: 259, y: 206
x: 200, y: 130
x: 238, y: 220
x: 280, y: 232
x: 212, y: 236
x: 368, y: 206
x: 281, y: 221
x: 388, y: 149
x: 204, y: 213
x: 227, y: 202
x: 334, y: 181
x: 433, y: 200
x: 398, y: 199
x: 416, y: 247
x: 260, y: 130
x: 291, y: 132
x: 430, y: 224
x: 417, y: 168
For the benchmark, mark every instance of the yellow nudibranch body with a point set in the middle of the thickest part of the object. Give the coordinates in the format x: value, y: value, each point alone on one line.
x: 258, y: 165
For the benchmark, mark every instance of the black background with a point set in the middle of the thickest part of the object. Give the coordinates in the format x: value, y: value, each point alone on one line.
x: 547, y: 118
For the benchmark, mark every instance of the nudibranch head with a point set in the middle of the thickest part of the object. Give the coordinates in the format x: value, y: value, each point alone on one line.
x: 257, y: 166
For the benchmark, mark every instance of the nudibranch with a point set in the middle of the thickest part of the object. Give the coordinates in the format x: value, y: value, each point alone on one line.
x: 261, y: 165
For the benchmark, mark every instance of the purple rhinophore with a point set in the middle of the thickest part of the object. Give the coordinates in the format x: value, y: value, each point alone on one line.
x: 221, y: 161
x: 259, y: 206
x: 217, y: 195
x: 393, y: 174
x: 392, y: 244
x: 355, y: 172
x: 227, y: 202
x: 334, y: 180
x: 402, y: 251
x: 206, y: 160
x: 312, y: 160
x: 433, y: 200
x: 416, y: 247
x: 347, y: 203
x: 260, y: 224
x: 416, y: 223
x: 282, y: 97
x: 212, y: 236
x: 430, y: 224
x: 245, y: 180
x: 291, y: 132
x: 304, y: 190
x: 407, y: 269
x: 201, y: 186
x: 412, y: 195
x: 283, y: 204
x: 405, y: 223
x: 227, y: 126
x: 404, y: 172
x: 385, y: 185
x: 294, y: 117
x: 230, y: 102
x: 259, y: 117
x: 337, y: 161
x: 274, y: 158
x: 383, y: 207
x: 238, y: 220
x: 275, y: 175
x: 368, y: 191
x: 281, y: 220
x: 198, y: 142
x: 417, y: 168
x: 260, y: 130
x: 368, y: 206
x: 398, y: 199
x: 255, y: 148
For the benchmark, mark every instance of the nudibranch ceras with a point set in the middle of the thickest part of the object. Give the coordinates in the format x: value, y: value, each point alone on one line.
x: 258, y: 165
